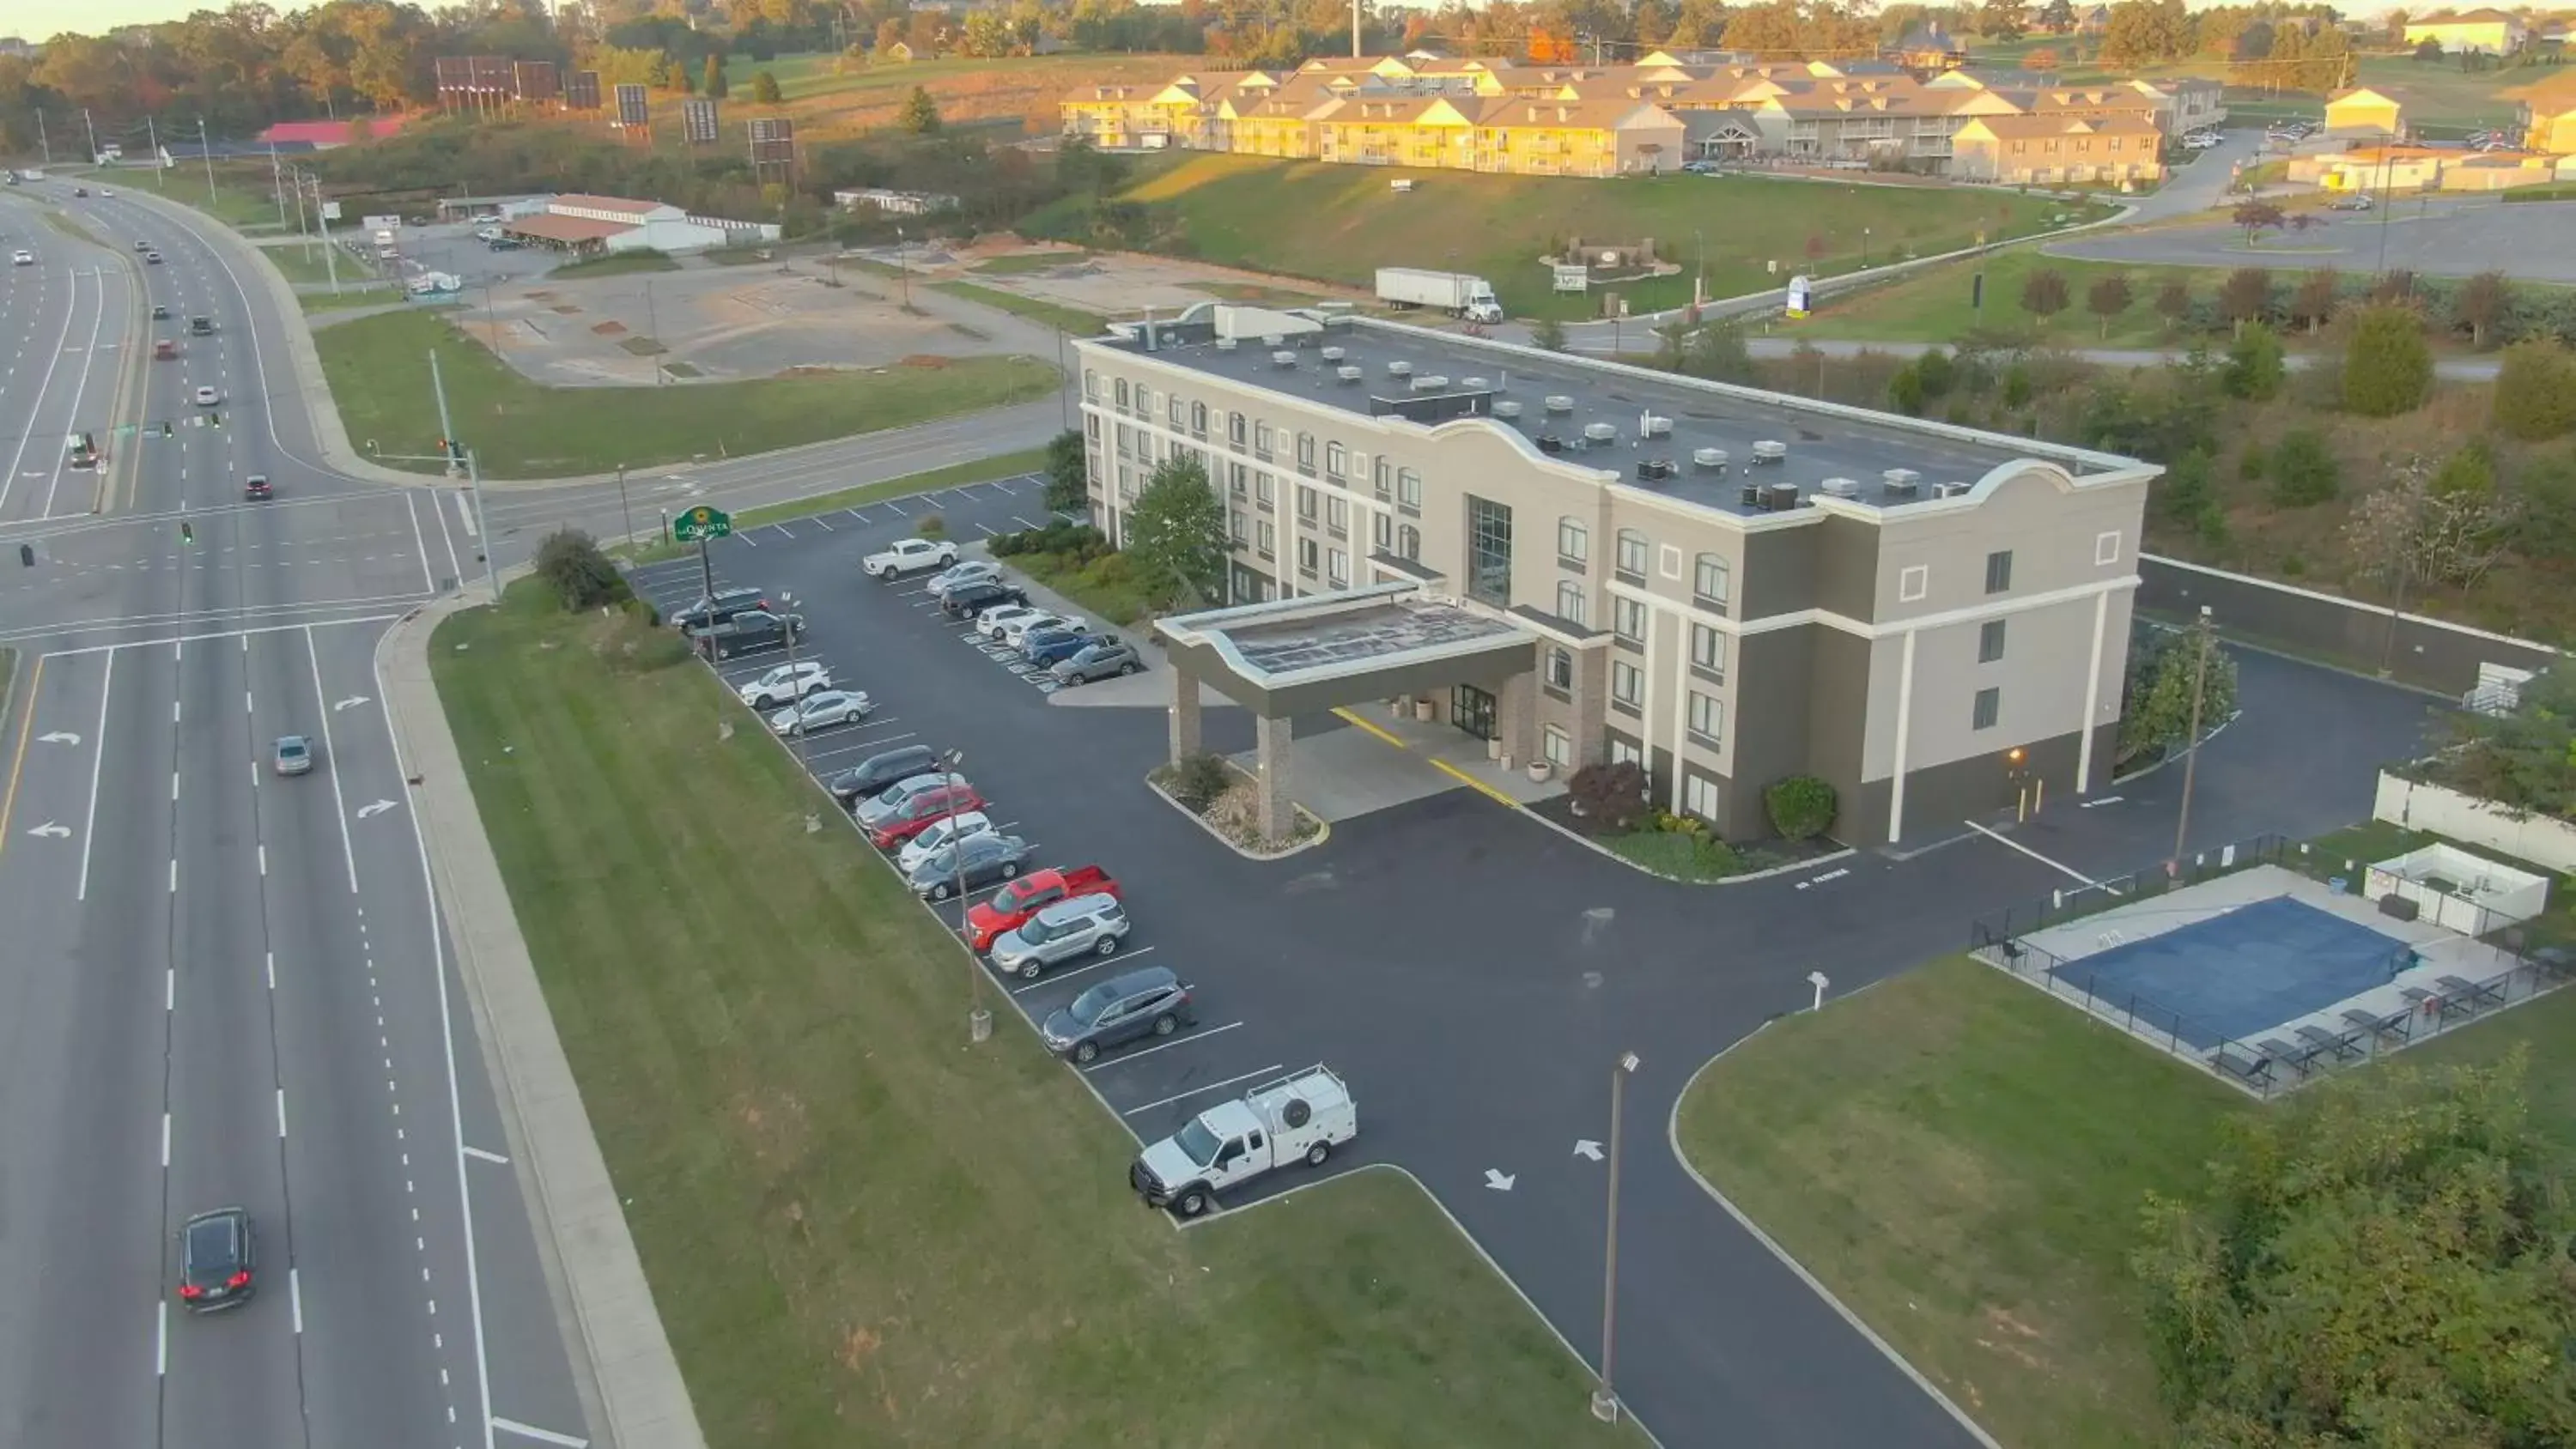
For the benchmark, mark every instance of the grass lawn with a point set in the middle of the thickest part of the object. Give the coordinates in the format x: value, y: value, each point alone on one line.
x: 379, y: 374
x: 1071, y: 320
x: 1934, y: 305
x: 1682, y: 857
x: 861, y: 1230
x: 349, y: 299
x: 241, y: 196
x: 1018, y: 262
x: 617, y: 264
x: 981, y: 470
x: 304, y: 262
x: 1338, y: 223
x: 1961, y: 1159
x: 2440, y: 96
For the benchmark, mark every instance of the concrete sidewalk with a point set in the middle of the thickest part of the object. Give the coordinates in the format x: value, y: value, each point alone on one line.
x: 629, y: 1381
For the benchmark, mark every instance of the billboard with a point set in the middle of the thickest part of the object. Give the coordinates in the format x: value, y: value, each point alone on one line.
x: 581, y: 92
x: 533, y: 80
x: 631, y: 107
x: 698, y: 120
x: 773, y: 142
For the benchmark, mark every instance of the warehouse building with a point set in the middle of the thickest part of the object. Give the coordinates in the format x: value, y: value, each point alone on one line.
x: 591, y: 225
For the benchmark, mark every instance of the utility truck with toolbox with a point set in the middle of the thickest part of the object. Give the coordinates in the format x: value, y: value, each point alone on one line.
x: 1298, y: 1118
x: 1460, y: 294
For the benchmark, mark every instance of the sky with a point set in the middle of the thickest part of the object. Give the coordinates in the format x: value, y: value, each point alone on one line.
x: 38, y: 20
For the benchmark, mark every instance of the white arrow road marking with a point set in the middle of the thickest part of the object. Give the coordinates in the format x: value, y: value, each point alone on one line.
x: 352, y: 702
x: 49, y: 828
x: 1586, y: 1147
x: 378, y: 808
x: 60, y: 737
x: 1500, y: 1181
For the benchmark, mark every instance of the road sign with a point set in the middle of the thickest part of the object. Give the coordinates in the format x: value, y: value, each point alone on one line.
x: 697, y: 525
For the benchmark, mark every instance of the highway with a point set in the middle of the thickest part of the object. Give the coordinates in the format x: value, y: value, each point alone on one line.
x: 227, y: 986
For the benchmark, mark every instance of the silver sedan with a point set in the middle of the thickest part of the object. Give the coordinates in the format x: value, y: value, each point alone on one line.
x: 821, y: 711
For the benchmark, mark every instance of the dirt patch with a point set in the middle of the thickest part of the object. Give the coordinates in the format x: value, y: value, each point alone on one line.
x: 640, y: 346
x: 681, y: 369
x: 569, y: 310
x: 607, y: 329
x: 922, y: 359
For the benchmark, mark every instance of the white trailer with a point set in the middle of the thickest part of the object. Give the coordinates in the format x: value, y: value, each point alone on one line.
x: 1460, y: 294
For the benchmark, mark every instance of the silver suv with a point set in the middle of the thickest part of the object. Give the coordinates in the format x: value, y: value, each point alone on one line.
x: 1094, y: 925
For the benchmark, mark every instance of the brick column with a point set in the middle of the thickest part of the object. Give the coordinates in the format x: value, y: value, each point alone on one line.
x: 1516, y: 718
x: 1185, y: 714
x: 1272, y: 738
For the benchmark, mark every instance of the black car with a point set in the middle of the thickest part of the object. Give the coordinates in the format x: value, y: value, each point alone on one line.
x: 723, y: 605
x: 748, y: 632
x: 218, y: 1253
x: 973, y: 599
x: 874, y: 774
x: 201, y: 326
x: 1147, y: 1002
x: 160, y: 311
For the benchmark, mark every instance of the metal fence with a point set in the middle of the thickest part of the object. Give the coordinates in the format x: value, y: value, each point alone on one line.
x: 2014, y: 922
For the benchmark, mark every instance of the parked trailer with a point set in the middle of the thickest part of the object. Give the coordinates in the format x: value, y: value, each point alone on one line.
x: 1460, y: 294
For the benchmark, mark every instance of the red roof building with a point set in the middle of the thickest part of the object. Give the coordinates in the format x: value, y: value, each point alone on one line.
x: 323, y: 135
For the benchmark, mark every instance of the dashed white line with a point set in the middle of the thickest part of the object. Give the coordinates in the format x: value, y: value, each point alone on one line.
x: 263, y: 859
x: 174, y: 875
x: 281, y: 1114
x: 165, y: 1139
x: 272, y: 970
x: 295, y: 1296
x: 89, y: 823
x: 169, y: 988
x: 161, y: 1340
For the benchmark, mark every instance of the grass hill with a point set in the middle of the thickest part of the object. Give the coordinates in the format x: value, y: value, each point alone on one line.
x: 1020, y: 92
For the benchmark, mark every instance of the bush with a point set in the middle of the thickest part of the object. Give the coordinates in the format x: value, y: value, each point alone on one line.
x: 1199, y: 779
x: 2255, y: 364
x: 1800, y: 807
x: 930, y: 525
x: 2303, y: 472
x: 2535, y: 391
x: 2387, y: 367
x: 569, y: 560
x: 1612, y: 797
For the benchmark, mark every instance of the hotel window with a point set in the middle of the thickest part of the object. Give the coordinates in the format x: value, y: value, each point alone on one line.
x: 1337, y: 567
x: 1489, y: 552
x: 1408, y: 489
x: 1385, y: 478
x: 1381, y: 533
x: 1264, y: 491
x: 1713, y: 582
x: 1408, y: 543
x: 1306, y: 557
x: 1557, y: 745
x: 1632, y: 553
x: 1337, y: 461
x: 1627, y: 683
x: 1266, y: 539
x: 1144, y: 402
x: 1569, y: 601
x: 1573, y: 542
x: 1091, y: 428
x: 1628, y: 620
x: 1999, y: 571
x: 1707, y: 717
x: 1234, y: 428
x: 2106, y: 547
x: 1261, y: 441
x: 1990, y: 707
x: 1126, y: 441
x: 1306, y: 454
x: 1708, y: 651
x: 1237, y: 527
x: 1699, y: 797
x: 1090, y: 385
x: 1305, y: 503
x: 1990, y: 641
x: 1560, y: 667
x: 1625, y: 752
x: 1237, y: 478
x: 1180, y: 412
x: 1122, y: 392
x: 1337, y: 515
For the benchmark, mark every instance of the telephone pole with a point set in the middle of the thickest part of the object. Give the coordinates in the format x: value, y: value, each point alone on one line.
x: 92, y: 127
x: 207, y: 152
x: 42, y: 143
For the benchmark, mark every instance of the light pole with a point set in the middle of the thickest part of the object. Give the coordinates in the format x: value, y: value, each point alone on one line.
x: 2191, y: 759
x: 903, y: 266
x: 979, y: 1019
x: 796, y: 701
x: 624, y: 512
x: 1605, y: 1399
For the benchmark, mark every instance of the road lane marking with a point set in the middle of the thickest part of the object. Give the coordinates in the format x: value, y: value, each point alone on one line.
x: 70, y: 310
x: 165, y: 1140
x: 1098, y: 1067
x: 331, y: 760
x: 295, y: 1295
x: 89, y: 822
x: 465, y: 515
x: 1195, y: 1091
x: 542, y: 1436
x: 480, y: 1155
x: 18, y: 759
x: 169, y: 988
x: 174, y: 875
x: 2033, y: 854
x: 419, y: 543
x: 272, y: 970
x: 78, y: 392
x: 161, y: 1339
x: 1050, y: 978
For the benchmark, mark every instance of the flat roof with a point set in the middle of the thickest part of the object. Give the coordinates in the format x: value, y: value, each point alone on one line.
x: 1591, y: 414
x: 1285, y: 642
x: 566, y: 228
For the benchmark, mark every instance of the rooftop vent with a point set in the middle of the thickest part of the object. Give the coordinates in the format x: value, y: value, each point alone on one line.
x: 1559, y: 403
x: 1709, y: 458
x: 1335, y: 354
x: 1752, y: 495
x: 1768, y: 451
x: 1433, y: 383
x: 1842, y: 487
x: 1596, y: 434
x: 1225, y: 344
x: 1476, y: 384
x: 1653, y: 470
x: 1348, y: 373
x: 1283, y: 358
x: 1550, y: 443
x: 1273, y: 339
x: 1658, y: 427
x: 1399, y: 368
x: 1902, y: 483
x: 1507, y: 410
x: 1779, y: 497
x: 1952, y: 490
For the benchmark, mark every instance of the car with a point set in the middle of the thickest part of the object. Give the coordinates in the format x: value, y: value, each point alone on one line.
x: 160, y: 311
x: 201, y: 326
x: 505, y: 244
x: 1700, y: 168
x: 972, y: 571
x: 80, y: 191
x: 489, y: 234
x: 218, y: 1255
x: 2355, y: 202
x: 993, y: 622
x: 141, y: 245
x: 972, y: 599
x: 22, y: 258
x: 165, y: 350
x: 81, y: 450
x: 103, y: 191
x: 902, y: 813
x: 207, y: 397
x: 1048, y: 646
x: 821, y: 710
x: 293, y: 755
x: 905, y: 555
x: 876, y: 774
x: 1017, y: 636
x: 1083, y: 926
x: 1014, y: 907
x: 1149, y: 1001
x: 752, y: 631
x: 152, y: 259
x: 1103, y: 658
x: 256, y: 487
x: 786, y: 684
x: 970, y: 864
x: 939, y: 837
x: 719, y: 606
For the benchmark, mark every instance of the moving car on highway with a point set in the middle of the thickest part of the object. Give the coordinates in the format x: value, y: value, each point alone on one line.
x: 256, y: 487
x: 207, y: 397
x: 293, y: 755
x: 218, y: 1253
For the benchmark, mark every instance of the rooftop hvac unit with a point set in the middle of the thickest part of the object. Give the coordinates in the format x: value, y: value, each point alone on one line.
x: 1768, y: 451
x: 1596, y: 434
x: 1273, y: 339
x: 1550, y: 443
x: 1709, y: 458
x: 1952, y: 490
x: 1654, y: 469
x: 1842, y: 487
x: 1476, y: 384
x: 1907, y: 489
x: 1335, y: 354
x: 1399, y: 368
x: 1559, y: 403
x: 1348, y: 373
x: 1433, y: 383
x: 1507, y: 410
x: 1779, y: 497
x: 1752, y: 495
x: 1283, y: 358
x: 1904, y: 478
x: 1658, y: 427
x: 1226, y: 344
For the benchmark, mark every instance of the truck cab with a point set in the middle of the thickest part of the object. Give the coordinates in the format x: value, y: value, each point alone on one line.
x: 1298, y: 1118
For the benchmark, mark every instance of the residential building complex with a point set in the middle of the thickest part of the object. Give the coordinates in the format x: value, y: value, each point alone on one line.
x: 2482, y: 32
x: 1656, y: 115
x: 1585, y: 561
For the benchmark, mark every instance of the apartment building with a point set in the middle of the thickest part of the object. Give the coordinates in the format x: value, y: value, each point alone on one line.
x: 1587, y: 561
x: 2052, y: 150
x: 2470, y: 32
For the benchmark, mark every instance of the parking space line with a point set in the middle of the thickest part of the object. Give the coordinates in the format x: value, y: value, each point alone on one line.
x: 1197, y: 1091
x: 1195, y: 1036
x: 898, y: 508
x: 2006, y: 841
x: 747, y: 540
x: 782, y: 530
x: 871, y: 746
x: 819, y: 523
x: 1050, y: 978
x: 989, y: 530
x: 1022, y: 522
x: 854, y: 513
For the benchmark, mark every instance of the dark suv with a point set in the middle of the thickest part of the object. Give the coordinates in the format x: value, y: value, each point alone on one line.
x: 972, y: 599
x: 218, y: 1251
x: 748, y: 632
x: 716, y: 609
x: 1146, y: 1002
x: 871, y: 776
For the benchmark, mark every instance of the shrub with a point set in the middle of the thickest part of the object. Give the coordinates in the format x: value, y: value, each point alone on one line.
x: 2303, y: 472
x: 1937, y: 373
x: 930, y: 525
x: 1613, y: 797
x: 2535, y: 391
x: 2255, y: 364
x: 584, y: 578
x: 1905, y: 391
x: 1800, y: 806
x: 2387, y: 367
x: 1199, y: 779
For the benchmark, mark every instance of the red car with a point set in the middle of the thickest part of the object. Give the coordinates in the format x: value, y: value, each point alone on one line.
x: 919, y: 809
x: 1010, y: 907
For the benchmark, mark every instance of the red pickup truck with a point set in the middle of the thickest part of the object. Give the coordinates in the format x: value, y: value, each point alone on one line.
x: 1010, y: 907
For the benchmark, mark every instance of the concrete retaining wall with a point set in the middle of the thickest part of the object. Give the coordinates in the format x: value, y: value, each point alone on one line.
x: 2426, y: 653
x: 2471, y: 821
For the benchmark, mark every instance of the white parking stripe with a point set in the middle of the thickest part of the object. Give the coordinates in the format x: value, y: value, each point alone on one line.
x: 1100, y: 1066
x: 1052, y: 977
x: 1196, y: 1091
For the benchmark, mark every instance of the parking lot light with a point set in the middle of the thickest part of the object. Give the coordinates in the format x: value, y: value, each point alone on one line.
x: 1605, y: 1399
x: 979, y: 1017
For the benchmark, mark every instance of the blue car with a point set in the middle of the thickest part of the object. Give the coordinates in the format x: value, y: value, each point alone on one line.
x: 1046, y: 646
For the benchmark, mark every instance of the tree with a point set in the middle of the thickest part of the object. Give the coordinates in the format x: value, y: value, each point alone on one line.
x: 2043, y: 60
x: 2535, y: 390
x: 714, y: 86
x: 2428, y: 50
x: 2156, y: 711
x: 1548, y: 333
x: 2313, y: 304
x: 1068, y: 486
x: 2246, y: 296
x: 920, y: 114
x: 764, y: 88
x: 2382, y: 1260
x: 2001, y: 20
x: 2044, y: 294
x: 2448, y: 526
x: 2525, y: 758
x: 2483, y: 301
x: 2256, y: 365
x: 581, y: 575
x: 2057, y: 17
x: 2304, y: 472
x: 1176, y: 536
x: 2107, y: 298
x: 890, y: 33
x: 2254, y: 42
x: 2387, y: 366
x: 2544, y: 505
x: 2173, y: 302
x: 2256, y: 218
x: 1767, y: 32
x: 1719, y: 353
x: 1800, y: 806
x: 2143, y: 32
x: 2325, y: 62
x: 1611, y: 796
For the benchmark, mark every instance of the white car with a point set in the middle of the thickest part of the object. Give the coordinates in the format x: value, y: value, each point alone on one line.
x: 1017, y: 636
x: 994, y: 620
x: 786, y: 684
x: 206, y: 397
x: 821, y: 711
x: 22, y: 258
x: 905, y: 555
x: 958, y: 575
x: 936, y: 836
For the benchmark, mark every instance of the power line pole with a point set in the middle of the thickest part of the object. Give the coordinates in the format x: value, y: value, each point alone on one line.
x: 2191, y: 759
x: 153, y: 130
x: 42, y: 143
x: 92, y: 127
x: 322, y: 222
x: 206, y: 150
x: 277, y: 187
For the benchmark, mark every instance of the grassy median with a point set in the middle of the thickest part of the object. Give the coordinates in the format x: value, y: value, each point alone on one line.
x: 1962, y: 1160
x: 860, y: 1229
x: 379, y: 373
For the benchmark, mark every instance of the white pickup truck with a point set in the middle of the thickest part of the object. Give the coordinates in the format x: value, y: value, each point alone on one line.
x: 905, y: 555
x: 1300, y: 1117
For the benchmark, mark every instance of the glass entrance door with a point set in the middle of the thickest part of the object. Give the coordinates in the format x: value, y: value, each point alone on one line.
x: 1472, y: 709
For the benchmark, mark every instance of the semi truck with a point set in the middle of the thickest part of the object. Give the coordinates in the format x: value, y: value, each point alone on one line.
x: 1460, y: 294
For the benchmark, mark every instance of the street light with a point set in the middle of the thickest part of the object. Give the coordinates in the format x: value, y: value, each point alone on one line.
x: 625, y: 513
x: 979, y: 1018
x: 1605, y: 1399
x: 2191, y: 757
